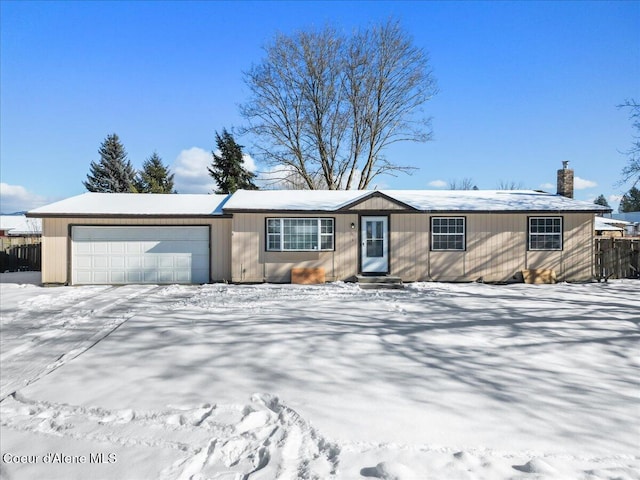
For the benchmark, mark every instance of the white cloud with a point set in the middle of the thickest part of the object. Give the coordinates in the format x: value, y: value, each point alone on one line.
x: 614, y: 198
x: 547, y: 186
x: 16, y: 198
x: 437, y: 183
x: 249, y: 163
x: 191, y: 174
x: 581, y: 183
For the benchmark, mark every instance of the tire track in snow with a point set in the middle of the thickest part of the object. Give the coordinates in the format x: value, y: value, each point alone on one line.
x: 69, y: 333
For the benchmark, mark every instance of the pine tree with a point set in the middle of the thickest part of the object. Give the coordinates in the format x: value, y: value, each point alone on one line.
x: 154, y: 177
x: 630, y: 201
x: 113, y: 173
x: 227, y: 168
x: 601, y: 200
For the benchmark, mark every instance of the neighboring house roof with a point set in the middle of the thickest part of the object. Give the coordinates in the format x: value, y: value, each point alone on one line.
x: 133, y: 204
x: 19, y: 225
x: 608, y: 225
x: 420, y: 200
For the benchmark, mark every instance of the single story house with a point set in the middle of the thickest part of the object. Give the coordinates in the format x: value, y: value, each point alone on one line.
x: 610, y: 227
x: 260, y: 236
x: 19, y: 226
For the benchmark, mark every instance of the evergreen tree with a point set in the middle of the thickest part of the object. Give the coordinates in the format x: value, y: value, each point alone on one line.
x: 601, y: 200
x: 154, y: 177
x: 113, y: 173
x: 227, y: 168
x: 630, y: 201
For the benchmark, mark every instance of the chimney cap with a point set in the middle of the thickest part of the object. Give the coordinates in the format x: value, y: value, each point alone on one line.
x: 565, y: 164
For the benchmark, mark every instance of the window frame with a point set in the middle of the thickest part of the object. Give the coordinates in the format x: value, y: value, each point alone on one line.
x: 531, y: 234
x: 463, y: 234
x: 280, y: 234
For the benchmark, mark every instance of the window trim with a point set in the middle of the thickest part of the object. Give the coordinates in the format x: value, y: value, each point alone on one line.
x: 530, y: 233
x: 320, y: 235
x: 463, y: 234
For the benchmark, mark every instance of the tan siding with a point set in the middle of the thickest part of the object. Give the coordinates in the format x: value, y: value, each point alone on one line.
x: 55, y: 260
x: 496, y: 248
x: 408, y: 246
x: 377, y: 204
x: 252, y: 263
x: 575, y: 261
x: 54, y: 251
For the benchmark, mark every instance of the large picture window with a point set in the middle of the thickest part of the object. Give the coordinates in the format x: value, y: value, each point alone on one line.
x: 448, y: 233
x: 545, y: 233
x: 299, y: 234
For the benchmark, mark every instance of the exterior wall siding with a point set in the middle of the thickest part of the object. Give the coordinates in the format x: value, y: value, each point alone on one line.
x: 253, y: 263
x: 56, y: 242
x: 376, y: 204
x: 496, y: 249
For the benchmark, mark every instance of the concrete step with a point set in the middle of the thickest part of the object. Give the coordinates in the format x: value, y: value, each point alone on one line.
x: 378, y: 279
x: 378, y: 286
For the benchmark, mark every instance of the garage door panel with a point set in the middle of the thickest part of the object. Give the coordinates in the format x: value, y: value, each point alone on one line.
x: 117, y: 276
x: 134, y: 276
x: 165, y: 262
x: 183, y: 262
x: 100, y: 247
x: 117, y: 247
x: 100, y: 277
x: 133, y: 248
x: 150, y: 276
x: 117, y: 262
x: 118, y: 255
x: 133, y: 262
x: 101, y: 262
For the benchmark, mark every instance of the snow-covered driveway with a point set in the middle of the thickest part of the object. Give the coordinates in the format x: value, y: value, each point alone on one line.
x: 283, y: 381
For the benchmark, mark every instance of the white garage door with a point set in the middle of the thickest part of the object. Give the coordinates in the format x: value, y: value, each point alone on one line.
x: 118, y: 255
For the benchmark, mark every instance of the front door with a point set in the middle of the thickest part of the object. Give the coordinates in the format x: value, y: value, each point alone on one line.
x: 374, y: 237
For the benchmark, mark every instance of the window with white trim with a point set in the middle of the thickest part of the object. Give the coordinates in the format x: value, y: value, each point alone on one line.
x: 299, y: 234
x: 448, y: 233
x: 545, y: 233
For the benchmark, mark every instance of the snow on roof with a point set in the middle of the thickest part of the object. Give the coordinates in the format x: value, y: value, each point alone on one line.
x: 293, y: 199
x: 605, y: 224
x: 134, y: 204
x: 308, y: 200
x: 423, y: 200
x: 20, y: 225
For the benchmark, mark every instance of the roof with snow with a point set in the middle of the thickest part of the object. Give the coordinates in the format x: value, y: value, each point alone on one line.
x: 138, y: 204
x: 149, y: 204
x: 419, y: 200
x: 607, y: 225
x: 20, y: 225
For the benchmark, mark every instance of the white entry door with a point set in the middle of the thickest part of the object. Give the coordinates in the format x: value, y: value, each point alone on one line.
x: 137, y: 254
x: 374, y: 236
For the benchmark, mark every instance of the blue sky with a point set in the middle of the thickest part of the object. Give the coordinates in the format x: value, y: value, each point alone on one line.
x: 522, y: 87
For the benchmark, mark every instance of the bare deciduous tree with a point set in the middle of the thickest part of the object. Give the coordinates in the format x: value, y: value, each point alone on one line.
x: 509, y: 185
x: 464, y: 184
x: 324, y: 105
x: 631, y: 172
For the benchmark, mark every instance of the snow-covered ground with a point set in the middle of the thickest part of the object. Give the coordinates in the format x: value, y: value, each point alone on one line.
x: 437, y: 381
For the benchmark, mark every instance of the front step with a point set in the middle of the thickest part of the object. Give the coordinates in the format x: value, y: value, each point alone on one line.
x: 379, y: 281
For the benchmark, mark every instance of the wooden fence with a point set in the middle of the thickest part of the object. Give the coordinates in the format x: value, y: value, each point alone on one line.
x: 617, y: 258
x: 20, y: 258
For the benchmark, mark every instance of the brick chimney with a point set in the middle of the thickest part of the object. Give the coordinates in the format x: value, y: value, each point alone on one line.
x: 565, y: 180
